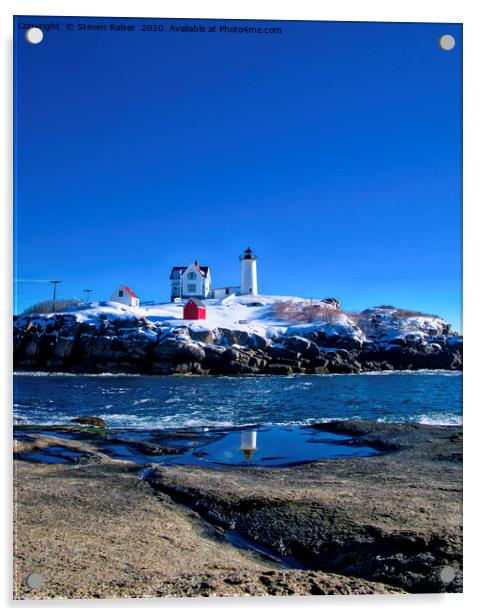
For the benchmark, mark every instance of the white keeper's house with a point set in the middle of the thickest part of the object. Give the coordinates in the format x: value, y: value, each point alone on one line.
x: 190, y: 281
x: 195, y: 280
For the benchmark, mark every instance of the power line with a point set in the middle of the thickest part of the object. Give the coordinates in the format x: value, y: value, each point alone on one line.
x: 55, y: 283
x: 29, y: 280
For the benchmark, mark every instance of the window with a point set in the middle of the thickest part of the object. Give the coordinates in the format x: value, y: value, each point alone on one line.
x: 121, y: 293
x: 191, y: 276
x: 191, y: 288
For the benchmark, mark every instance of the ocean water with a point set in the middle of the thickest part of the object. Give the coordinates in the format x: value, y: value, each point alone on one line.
x: 432, y: 397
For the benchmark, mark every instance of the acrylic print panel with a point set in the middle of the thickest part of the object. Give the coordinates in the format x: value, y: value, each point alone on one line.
x: 237, y: 308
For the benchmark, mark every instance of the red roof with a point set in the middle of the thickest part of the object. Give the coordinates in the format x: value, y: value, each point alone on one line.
x: 129, y: 291
x: 197, y: 302
x: 196, y: 265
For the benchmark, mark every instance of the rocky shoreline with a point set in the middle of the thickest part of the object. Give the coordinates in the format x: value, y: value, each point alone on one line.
x: 394, y: 518
x: 60, y: 343
x: 382, y: 524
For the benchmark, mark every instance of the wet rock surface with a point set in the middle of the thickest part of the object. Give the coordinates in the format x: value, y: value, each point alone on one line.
x: 97, y: 530
x: 88, y: 420
x: 388, y: 523
x: 394, y: 518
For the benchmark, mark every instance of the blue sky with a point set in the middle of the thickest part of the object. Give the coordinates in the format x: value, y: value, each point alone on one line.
x: 333, y: 149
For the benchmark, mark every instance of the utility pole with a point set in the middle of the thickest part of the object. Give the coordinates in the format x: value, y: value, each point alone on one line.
x: 55, y: 283
x: 87, y: 294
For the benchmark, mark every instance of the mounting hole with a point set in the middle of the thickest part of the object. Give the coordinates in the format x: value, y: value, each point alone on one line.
x: 34, y: 581
x: 447, y: 42
x: 447, y: 574
x: 34, y: 35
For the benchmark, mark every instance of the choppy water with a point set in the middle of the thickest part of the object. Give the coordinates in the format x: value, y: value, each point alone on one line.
x: 167, y: 402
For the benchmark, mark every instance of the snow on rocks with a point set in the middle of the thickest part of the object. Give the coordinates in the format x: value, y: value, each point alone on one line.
x: 387, y: 323
x: 241, y: 334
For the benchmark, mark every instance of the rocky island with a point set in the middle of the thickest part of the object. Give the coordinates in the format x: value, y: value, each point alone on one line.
x: 241, y: 335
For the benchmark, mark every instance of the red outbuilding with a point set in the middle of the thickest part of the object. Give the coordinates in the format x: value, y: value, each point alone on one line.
x: 194, y: 310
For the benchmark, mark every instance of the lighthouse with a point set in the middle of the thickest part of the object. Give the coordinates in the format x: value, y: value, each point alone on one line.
x: 249, y: 277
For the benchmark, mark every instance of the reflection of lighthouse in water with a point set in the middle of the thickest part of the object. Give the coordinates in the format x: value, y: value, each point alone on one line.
x: 248, y: 443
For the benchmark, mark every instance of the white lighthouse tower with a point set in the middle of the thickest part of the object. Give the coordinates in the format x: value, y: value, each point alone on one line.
x: 249, y: 276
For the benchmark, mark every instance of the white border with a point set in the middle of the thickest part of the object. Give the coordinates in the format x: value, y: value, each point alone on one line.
x: 465, y: 11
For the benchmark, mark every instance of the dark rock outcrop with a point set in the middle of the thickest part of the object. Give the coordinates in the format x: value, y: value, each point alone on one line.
x: 88, y: 420
x: 131, y: 345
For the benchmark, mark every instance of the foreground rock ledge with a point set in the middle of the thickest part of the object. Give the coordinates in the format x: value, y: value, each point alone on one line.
x: 384, y: 524
x: 97, y: 531
x: 395, y: 518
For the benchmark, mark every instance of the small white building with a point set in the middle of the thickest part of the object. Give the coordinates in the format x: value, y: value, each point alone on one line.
x: 125, y: 295
x: 191, y: 281
x: 222, y: 292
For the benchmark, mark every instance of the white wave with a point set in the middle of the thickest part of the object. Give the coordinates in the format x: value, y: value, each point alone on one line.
x: 193, y: 423
x: 425, y: 371
x: 454, y: 420
x: 122, y: 416
x: 236, y: 378
x: 430, y: 420
x: 57, y: 421
x: 297, y: 386
x: 75, y: 374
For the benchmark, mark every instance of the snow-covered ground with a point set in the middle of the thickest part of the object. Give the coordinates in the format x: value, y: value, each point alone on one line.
x: 246, y: 313
x: 270, y: 316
